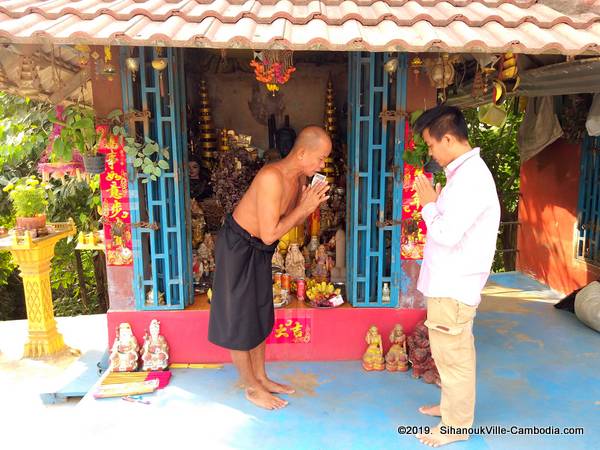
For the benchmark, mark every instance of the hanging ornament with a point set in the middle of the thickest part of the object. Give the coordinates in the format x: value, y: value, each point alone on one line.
x: 273, y: 68
x: 477, y: 90
x: 84, y: 54
x: 416, y: 66
x: 441, y: 70
x: 390, y: 66
x: 133, y: 65
x: 487, y: 71
x: 160, y: 64
x: 331, y: 128
x: 109, y: 70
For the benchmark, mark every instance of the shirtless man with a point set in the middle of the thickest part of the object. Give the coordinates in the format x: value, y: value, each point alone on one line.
x: 242, y: 313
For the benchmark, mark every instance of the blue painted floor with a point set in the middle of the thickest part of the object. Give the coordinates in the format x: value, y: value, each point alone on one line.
x: 537, y: 366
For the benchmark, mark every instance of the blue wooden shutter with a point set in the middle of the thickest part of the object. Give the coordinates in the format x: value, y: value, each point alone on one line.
x: 588, y: 211
x: 159, y: 209
x: 375, y: 172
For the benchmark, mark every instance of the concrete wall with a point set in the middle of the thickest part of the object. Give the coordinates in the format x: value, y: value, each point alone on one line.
x: 548, y: 214
x: 239, y: 102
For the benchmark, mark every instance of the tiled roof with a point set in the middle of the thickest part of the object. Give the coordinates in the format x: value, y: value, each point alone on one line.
x: 527, y: 26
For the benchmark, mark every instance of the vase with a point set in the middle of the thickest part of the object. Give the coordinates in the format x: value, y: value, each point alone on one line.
x: 32, y: 223
x: 94, y: 164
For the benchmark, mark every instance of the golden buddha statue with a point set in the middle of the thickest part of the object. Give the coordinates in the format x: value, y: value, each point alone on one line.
x: 396, y: 359
x: 373, y: 357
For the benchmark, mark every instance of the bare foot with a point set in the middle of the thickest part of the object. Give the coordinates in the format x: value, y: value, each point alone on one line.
x: 261, y: 397
x: 431, y: 410
x: 437, y: 439
x: 276, y: 388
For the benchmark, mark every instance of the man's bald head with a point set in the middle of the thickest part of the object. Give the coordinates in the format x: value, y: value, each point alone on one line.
x: 311, y: 148
x: 312, y: 138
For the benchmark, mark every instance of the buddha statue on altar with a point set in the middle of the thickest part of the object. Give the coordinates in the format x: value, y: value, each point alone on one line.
x: 294, y: 262
x: 373, y: 357
x: 155, y: 353
x: 396, y: 359
x: 277, y: 260
x: 320, y: 270
x: 124, y: 352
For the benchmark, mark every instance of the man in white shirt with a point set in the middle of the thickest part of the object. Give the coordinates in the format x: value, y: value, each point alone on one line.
x: 462, y: 226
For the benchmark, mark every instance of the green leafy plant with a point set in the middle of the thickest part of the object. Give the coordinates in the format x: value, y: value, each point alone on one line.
x: 419, y: 155
x: 147, y: 156
x: 24, y: 130
x: 28, y: 196
x: 78, y: 132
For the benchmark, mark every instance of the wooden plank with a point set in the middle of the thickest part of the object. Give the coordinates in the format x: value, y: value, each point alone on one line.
x: 72, y: 84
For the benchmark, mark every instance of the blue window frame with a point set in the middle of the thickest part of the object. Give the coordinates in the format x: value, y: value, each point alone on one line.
x: 162, y: 250
x: 588, y: 214
x: 375, y: 169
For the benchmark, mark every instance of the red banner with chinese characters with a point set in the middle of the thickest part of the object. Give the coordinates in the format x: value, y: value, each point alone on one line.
x: 290, y: 331
x: 414, y: 229
x: 115, y: 202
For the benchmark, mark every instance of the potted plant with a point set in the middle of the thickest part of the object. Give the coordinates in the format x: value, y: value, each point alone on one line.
x: 147, y: 156
x: 29, y: 200
x: 78, y: 132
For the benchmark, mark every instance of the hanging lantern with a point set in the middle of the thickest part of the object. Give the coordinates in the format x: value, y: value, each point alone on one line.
x: 133, y: 65
x: 109, y: 70
x: 160, y: 64
x: 487, y: 72
x: 416, y: 66
x: 273, y: 68
x: 441, y: 71
x: 390, y: 66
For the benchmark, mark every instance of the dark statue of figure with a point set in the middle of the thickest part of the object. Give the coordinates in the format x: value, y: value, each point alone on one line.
x: 419, y: 355
x: 199, y: 180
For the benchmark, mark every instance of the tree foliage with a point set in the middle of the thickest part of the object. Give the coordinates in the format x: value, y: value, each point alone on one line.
x: 24, y: 131
x: 500, y: 152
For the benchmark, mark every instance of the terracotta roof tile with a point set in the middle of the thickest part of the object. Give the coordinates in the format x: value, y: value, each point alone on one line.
x: 413, y: 25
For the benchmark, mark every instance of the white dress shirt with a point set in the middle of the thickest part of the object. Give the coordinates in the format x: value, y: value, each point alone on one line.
x: 462, y: 228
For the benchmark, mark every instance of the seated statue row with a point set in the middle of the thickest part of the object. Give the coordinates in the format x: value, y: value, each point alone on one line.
x: 396, y: 359
x: 124, y: 355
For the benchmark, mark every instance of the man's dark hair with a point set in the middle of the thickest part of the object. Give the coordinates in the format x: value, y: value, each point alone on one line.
x: 195, y: 159
x: 442, y: 120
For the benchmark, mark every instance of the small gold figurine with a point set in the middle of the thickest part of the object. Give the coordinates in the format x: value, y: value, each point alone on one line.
x: 396, y: 359
x: 373, y: 357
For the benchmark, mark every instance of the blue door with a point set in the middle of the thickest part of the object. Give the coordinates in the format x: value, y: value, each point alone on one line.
x: 377, y: 100
x: 159, y: 209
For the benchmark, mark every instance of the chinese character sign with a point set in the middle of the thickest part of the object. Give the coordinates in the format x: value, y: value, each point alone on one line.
x: 290, y: 331
x: 115, y: 202
x: 414, y: 230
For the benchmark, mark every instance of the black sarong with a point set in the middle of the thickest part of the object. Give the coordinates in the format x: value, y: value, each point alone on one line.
x: 241, y: 309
